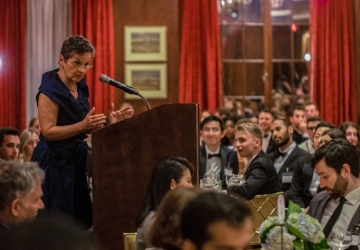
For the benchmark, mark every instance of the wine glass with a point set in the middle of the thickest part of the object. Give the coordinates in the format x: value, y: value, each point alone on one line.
x: 340, y: 240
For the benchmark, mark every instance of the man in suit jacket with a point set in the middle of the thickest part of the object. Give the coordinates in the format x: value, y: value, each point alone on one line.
x: 260, y: 175
x: 265, y: 119
x: 284, y: 160
x: 305, y: 182
x: 337, y: 164
x: 20, y: 193
x: 213, y: 156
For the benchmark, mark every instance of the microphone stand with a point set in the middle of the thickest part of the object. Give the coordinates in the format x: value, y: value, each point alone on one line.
x: 146, y: 101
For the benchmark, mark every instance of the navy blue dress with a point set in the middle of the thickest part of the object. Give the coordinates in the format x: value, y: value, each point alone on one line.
x: 65, y: 187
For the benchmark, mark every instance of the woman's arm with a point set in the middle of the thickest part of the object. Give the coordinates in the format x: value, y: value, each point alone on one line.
x: 48, y: 115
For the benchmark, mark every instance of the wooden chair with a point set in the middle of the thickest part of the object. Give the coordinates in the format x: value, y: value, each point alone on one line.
x: 262, y: 206
x: 129, y: 241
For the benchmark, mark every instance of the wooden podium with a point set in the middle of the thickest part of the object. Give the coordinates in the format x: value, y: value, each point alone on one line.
x: 124, y: 155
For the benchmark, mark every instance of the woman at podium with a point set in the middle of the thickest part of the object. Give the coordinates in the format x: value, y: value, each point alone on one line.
x: 65, y: 120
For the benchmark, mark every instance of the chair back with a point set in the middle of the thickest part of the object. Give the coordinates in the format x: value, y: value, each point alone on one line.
x: 262, y: 206
x: 129, y: 241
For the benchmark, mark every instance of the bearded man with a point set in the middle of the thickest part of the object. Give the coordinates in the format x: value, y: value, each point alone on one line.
x: 337, y: 208
x: 285, y: 158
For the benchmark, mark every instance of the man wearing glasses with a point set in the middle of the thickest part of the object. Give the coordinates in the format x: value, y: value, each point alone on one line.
x: 214, y: 157
x: 308, y: 145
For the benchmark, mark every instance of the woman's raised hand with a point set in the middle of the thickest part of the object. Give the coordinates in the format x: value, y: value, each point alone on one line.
x: 119, y: 115
x: 93, y: 121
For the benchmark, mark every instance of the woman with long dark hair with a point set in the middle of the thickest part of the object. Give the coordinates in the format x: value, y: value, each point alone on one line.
x: 167, y: 175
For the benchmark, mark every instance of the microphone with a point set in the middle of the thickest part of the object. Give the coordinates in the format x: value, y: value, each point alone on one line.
x: 130, y: 90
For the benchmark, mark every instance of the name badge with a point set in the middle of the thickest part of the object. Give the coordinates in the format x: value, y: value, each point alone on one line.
x: 228, y: 171
x: 354, y: 239
x: 286, y: 177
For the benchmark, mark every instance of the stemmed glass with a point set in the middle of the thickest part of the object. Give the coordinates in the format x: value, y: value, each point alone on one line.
x: 340, y: 240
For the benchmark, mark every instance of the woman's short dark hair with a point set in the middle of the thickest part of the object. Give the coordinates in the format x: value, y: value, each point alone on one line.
x: 335, y: 133
x: 76, y: 44
x: 159, y: 184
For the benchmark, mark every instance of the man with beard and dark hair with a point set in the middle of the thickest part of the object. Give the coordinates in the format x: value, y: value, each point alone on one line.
x: 337, y: 164
x: 284, y: 159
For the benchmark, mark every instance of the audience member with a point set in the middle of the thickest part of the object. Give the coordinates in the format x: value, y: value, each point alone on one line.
x: 35, y: 125
x: 298, y: 121
x: 216, y: 221
x: 205, y: 114
x: 223, y: 113
x: 49, y: 232
x: 337, y: 164
x: 165, y: 231
x: 284, y: 160
x: 260, y: 175
x: 20, y: 193
x: 333, y: 133
x: 311, y: 109
x: 229, y: 135
x: 9, y: 144
x: 28, y: 141
x: 319, y: 130
x: 308, y: 145
x: 351, y: 131
x: 305, y: 182
x: 215, y: 157
x: 167, y: 175
x: 265, y: 119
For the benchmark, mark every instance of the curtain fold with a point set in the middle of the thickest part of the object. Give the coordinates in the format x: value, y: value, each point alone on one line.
x: 333, y: 59
x: 48, y: 25
x: 93, y: 19
x: 12, y: 63
x: 200, y: 78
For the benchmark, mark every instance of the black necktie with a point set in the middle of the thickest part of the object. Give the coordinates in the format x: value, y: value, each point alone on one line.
x: 334, y: 217
x: 266, y: 136
x: 278, y: 154
x: 214, y: 155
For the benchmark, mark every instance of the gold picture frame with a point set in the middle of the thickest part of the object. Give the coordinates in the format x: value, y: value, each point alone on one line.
x: 145, y: 43
x: 149, y: 79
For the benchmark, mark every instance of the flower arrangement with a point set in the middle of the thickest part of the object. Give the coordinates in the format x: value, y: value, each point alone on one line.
x: 300, y: 231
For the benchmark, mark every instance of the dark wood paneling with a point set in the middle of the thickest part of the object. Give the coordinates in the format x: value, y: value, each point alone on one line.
x: 148, y: 13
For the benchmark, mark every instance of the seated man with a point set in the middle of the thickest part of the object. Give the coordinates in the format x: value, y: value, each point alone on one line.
x: 9, y: 144
x: 215, y: 221
x: 337, y: 164
x: 214, y: 156
x: 20, y: 193
x: 305, y: 182
x: 260, y: 175
x: 284, y: 160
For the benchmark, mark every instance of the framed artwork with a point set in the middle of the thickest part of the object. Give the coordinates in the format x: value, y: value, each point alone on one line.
x: 149, y: 79
x: 145, y: 43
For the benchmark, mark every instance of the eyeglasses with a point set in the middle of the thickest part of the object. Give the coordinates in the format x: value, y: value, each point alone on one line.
x: 80, y: 66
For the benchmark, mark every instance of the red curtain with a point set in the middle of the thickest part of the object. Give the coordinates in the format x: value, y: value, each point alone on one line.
x: 93, y: 19
x: 200, y: 61
x: 333, y: 59
x: 12, y: 64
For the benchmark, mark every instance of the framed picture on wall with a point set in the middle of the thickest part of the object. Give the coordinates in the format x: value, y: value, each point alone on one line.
x: 145, y: 43
x: 149, y: 79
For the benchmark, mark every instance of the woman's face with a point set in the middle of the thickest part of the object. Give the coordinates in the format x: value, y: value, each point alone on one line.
x: 351, y: 135
x: 36, y: 126
x: 324, y: 139
x: 230, y: 129
x: 185, y: 180
x: 75, y: 66
x: 31, y: 144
